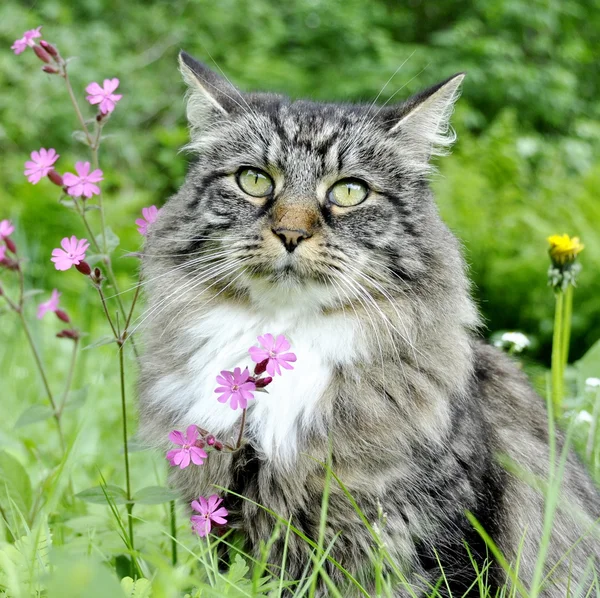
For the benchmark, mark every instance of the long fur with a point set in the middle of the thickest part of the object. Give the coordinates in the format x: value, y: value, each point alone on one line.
x: 422, y: 418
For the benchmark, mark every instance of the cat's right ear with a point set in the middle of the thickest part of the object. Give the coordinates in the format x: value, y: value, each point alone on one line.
x: 210, y: 97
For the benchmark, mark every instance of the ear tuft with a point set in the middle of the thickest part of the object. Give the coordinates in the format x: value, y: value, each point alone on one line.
x: 209, y: 97
x: 423, y: 121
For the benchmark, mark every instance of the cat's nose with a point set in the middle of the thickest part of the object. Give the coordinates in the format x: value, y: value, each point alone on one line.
x: 291, y: 238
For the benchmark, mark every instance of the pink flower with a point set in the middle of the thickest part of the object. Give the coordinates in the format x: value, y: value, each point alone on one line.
x: 20, y: 45
x: 50, y: 305
x: 6, y: 229
x: 41, y: 164
x: 149, y: 217
x: 273, y: 350
x: 73, y: 254
x: 104, y: 95
x: 209, y: 514
x: 188, y: 452
x: 84, y: 183
x: 236, y: 386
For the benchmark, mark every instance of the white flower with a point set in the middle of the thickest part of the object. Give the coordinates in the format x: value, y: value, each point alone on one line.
x: 517, y: 340
x: 592, y: 382
x: 584, y: 416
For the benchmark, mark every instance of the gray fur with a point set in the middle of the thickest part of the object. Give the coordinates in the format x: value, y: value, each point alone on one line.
x: 419, y: 424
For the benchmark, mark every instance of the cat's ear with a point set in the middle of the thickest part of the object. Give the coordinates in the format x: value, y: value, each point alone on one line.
x: 210, y: 96
x: 423, y: 121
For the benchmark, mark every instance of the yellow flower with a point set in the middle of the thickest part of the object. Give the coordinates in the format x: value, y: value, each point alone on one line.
x: 564, y: 249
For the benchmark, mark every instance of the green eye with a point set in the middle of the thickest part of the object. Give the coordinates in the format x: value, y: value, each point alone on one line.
x: 348, y: 192
x: 254, y: 182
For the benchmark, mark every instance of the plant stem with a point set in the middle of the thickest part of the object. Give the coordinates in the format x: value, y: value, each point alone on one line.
x: 567, y: 316
x: 129, y: 505
x: 76, y: 107
x: 242, y: 426
x: 173, y: 518
x: 42, y: 372
x: 69, y: 376
x: 103, y: 301
x: 557, y: 354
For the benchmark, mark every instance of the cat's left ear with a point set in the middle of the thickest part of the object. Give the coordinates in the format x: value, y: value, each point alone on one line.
x: 423, y: 121
x: 210, y: 96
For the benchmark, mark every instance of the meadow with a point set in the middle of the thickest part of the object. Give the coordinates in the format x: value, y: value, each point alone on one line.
x: 526, y: 166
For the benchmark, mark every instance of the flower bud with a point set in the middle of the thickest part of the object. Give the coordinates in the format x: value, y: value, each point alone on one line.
x: 55, y: 178
x: 61, y: 315
x: 200, y: 443
x: 261, y: 367
x: 84, y: 268
x: 262, y: 382
x: 42, y: 54
x: 50, y: 49
x: 218, y: 446
x: 68, y: 333
x: 210, y: 440
x: 97, y: 275
x: 10, y: 244
x: 50, y: 70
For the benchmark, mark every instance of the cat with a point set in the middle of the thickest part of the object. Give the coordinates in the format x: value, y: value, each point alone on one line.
x: 316, y: 221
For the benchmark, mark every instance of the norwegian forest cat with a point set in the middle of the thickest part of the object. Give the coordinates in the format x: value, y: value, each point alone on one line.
x: 315, y: 220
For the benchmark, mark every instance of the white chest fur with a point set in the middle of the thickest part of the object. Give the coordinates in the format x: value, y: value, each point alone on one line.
x: 320, y: 342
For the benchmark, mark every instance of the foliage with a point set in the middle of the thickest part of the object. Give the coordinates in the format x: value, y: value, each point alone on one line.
x: 526, y: 166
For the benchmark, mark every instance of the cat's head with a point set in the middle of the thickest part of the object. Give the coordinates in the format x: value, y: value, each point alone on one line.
x: 299, y: 198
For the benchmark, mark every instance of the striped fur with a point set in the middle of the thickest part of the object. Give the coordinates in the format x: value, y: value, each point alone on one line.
x: 420, y: 414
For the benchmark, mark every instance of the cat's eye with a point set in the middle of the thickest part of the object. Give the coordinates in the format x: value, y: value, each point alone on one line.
x: 254, y: 182
x: 348, y: 192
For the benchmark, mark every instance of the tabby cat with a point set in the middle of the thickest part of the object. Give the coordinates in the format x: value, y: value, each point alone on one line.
x: 316, y: 221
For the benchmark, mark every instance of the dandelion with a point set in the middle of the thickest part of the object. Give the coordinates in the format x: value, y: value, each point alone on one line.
x: 237, y: 386
x: 149, y: 216
x: 564, y: 249
x: 71, y: 254
x: 209, y: 514
x: 104, y: 95
x: 188, y: 451
x: 273, y: 351
x: 21, y: 44
x: 40, y: 165
x: 83, y: 182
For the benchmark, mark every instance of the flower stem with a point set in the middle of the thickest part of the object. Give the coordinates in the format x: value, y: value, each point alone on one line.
x: 40, y: 366
x: 557, y: 354
x: 567, y: 317
x: 69, y: 376
x: 103, y: 301
x: 129, y: 505
x: 238, y: 444
x: 76, y: 107
x: 173, y: 518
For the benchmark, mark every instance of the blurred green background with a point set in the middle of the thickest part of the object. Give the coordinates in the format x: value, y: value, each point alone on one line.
x: 526, y: 164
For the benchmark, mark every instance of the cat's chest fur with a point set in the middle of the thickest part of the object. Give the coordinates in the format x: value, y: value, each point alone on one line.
x: 321, y: 342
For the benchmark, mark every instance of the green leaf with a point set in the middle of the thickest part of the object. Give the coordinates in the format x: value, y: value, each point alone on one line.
x: 77, y: 399
x: 81, y: 137
x: 589, y: 365
x: 105, y: 340
x: 94, y: 258
x: 154, y: 495
x: 96, y: 495
x: 15, y: 483
x: 34, y: 414
x: 32, y: 293
x: 140, y: 588
x: 112, y: 241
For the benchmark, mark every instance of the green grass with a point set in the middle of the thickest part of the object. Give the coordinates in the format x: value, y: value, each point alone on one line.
x: 55, y: 540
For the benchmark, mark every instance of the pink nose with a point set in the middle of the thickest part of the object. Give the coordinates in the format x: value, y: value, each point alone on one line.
x: 291, y: 237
